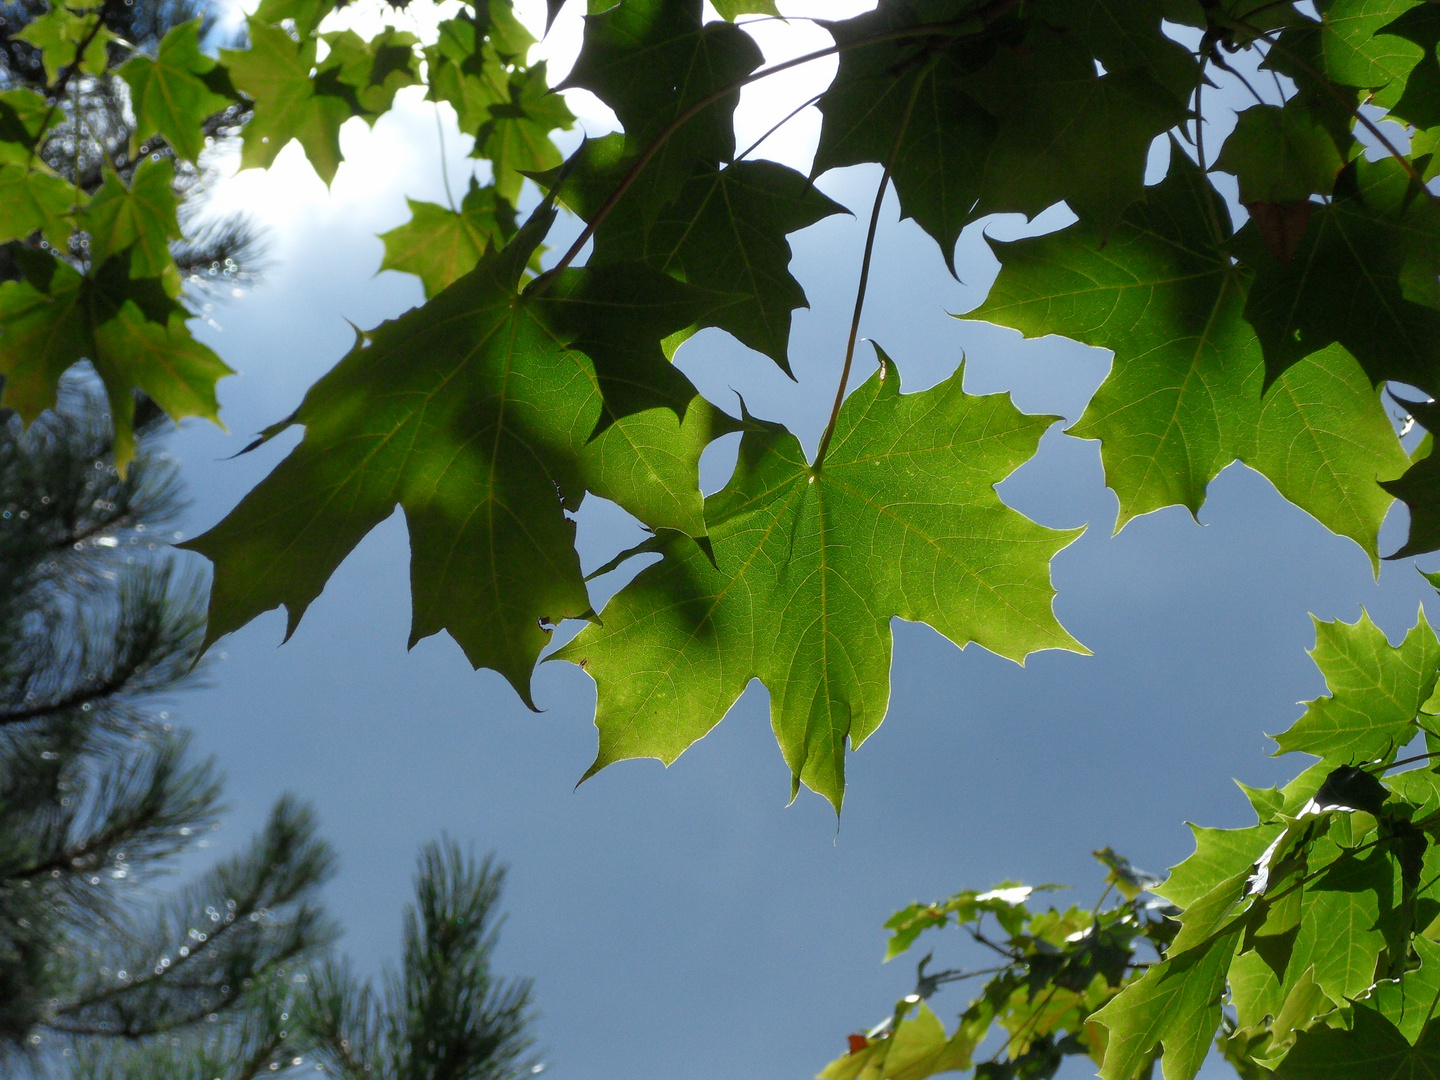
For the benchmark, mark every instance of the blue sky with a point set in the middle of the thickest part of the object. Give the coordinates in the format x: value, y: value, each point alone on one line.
x: 686, y: 922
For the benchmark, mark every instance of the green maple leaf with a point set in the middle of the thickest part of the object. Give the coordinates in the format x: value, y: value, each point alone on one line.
x: 1280, y: 155
x: 1419, y: 102
x: 1373, y: 1049
x: 1357, y: 54
x: 307, y: 14
x: 1419, y: 488
x: 1376, y: 691
x: 1127, y: 35
x: 59, y: 33
x: 1219, y: 855
x: 902, y: 520
x: 1299, y: 54
x: 174, y: 93
x: 918, y: 1048
x: 1184, y: 398
x: 1176, y: 1004
x: 474, y: 414
x: 23, y: 113
x: 1339, y: 935
x: 725, y: 233
x: 33, y: 199
x: 376, y: 70
x: 732, y: 9
x: 140, y: 217
x: 466, y: 71
x: 516, y: 137
x: 1406, y: 1001
x: 130, y: 330
x: 440, y: 245
x: 650, y: 61
x: 1363, y: 275
x: 1066, y: 132
x: 939, y: 160
x: 290, y: 103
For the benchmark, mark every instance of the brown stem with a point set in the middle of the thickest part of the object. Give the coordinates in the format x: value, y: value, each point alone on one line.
x: 864, y: 279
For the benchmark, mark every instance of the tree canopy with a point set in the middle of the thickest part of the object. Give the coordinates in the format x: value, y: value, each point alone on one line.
x: 1263, y: 328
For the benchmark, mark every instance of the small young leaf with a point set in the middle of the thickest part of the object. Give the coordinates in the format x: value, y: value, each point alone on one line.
x: 440, y: 245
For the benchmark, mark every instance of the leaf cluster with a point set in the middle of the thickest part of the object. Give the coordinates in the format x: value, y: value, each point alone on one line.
x: 519, y: 389
x: 1048, y: 973
x: 1304, y: 945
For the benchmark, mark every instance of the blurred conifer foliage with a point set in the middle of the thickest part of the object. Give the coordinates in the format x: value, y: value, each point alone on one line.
x: 99, y: 793
x: 230, y: 976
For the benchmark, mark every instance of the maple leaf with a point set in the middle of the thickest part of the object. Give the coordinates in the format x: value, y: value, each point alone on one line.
x: 1364, y: 275
x: 650, y: 61
x: 474, y: 414
x: 440, y: 245
x: 1128, y: 35
x: 725, y: 233
x: 129, y: 329
x: 1176, y: 1004
x: 1376, y: 691
x: 290, y: 102
x: 59, y: 33
x: 888, y: 89
x: 1419, y: 102
x: 465, y: 70
x: 809, y: 568
x: 732, y: 9
x: 376, y: 70
x: 1185, y: 397
x: 307, y: 14
x: 1066, y: 132
x: 33, y: 199
x: 1356, y: 54
x: 1372, y: 1049
x: 1280, y: 155
x: 516, y: 137
x: 23, y: 113
x: 174, y: 93
x: 140, y: 217
x: 1419, y: 488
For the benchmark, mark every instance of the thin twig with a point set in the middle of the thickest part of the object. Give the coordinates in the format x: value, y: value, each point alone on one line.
x: 444, y: 168
x: 1409, y: 761
x: 776, y: 127
x: 865, y: 277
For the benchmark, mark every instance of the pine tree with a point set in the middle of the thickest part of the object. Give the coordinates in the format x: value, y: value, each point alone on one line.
x: 99, y: 793
x: 442, y: 1015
